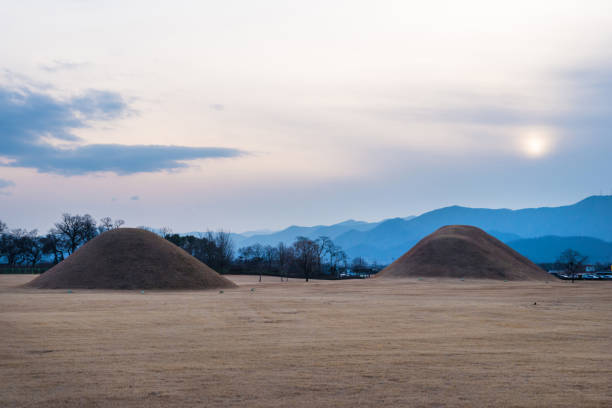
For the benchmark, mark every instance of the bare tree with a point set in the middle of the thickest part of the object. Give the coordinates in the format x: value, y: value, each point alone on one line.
x: 165, y: 231
x: 225, y: 250
x: 2, y: 227
x: 252, y: 256
x: 105, y: 224
x: 52, y: 245
x: 270, y: 256
x: 573, y: 261
x: 307, y: 253
x: 76, y: 230
x: 285, y: 255
x: 334, y: 253
x: 32, y: 248
x: 11, y: 245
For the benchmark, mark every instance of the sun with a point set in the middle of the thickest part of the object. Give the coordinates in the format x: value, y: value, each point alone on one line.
x: 536, y: 144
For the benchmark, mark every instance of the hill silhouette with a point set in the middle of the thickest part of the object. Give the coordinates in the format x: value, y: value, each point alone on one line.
x: 548, y: 249
x: 130, y: 258
x: 591, y: 217
x: 462, y: 251
x: 388, y: 239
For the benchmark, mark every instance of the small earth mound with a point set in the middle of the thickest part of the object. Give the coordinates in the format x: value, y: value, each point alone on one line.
x: 460, y: 251
x: 130, y: 258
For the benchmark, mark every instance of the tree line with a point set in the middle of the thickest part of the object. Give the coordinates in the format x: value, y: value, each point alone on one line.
x: 22, y: 247
x: 305, y: 258
x: 215, y: 249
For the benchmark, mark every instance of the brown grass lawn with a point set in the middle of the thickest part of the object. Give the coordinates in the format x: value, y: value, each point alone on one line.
x: 369, y: 343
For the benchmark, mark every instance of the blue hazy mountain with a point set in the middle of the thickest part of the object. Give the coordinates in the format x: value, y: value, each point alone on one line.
x: 387, y: 240
x: 288, y: 235
x: 547, y: 249
x: 591, y: 217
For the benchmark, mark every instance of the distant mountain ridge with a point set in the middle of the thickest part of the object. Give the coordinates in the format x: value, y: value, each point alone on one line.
x: 591, y: 217
x: 288, y: 235
x: 547, y: 249
x: 386, y: 240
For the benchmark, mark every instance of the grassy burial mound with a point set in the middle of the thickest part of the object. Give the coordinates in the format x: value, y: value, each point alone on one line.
x: 130, y: 258
x: 460, y: 251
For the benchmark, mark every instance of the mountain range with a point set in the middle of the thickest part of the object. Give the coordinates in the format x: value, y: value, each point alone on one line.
x: 541, y: 234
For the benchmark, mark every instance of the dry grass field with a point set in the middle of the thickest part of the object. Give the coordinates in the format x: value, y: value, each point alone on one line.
x: 369, y: 343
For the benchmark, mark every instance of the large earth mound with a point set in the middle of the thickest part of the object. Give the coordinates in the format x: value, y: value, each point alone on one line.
x: 130, y: 258
x: 461, y: 251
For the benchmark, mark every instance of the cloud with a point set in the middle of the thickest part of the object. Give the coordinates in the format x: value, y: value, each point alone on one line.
x: 583, y: 108
x: 4, y: 184
x: 217, y: 107
x: 29, y: 118
x: 61, y: 65
x: 100, y: 105
x: 485, y: 114
x: 135, y: 198
x: 590, y: 98
x: 120, y: 159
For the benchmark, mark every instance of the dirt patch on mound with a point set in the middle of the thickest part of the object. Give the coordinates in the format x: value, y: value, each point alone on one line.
x: 130, y: 258
x: 460, y: 251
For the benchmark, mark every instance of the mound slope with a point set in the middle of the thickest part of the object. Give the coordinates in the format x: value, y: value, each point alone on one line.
x: 460, y: 251
x: 130, y: 258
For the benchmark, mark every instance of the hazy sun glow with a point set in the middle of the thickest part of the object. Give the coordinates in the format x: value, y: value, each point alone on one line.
x: 536, y: 143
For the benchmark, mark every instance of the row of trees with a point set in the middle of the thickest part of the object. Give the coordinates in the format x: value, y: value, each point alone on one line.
x: 215, y: 249
x: 306, y: 258
x: 22, y: 247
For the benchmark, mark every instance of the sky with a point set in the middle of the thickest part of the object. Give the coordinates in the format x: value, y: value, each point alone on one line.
x: 248, y: 115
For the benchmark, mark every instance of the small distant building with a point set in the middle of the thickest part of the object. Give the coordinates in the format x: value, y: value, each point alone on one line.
x: 590, y: 268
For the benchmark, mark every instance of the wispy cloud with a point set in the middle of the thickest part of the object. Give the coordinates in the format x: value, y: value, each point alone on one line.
x: 62, y: 65
x: 135, y: 198
x: 582, y: 108
x: 4, y: 184
x: 29, y: 118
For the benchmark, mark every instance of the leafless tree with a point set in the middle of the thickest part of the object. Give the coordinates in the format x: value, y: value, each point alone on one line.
x: 165, y: 231
x: 307, y: 253
x: 270, y: 258
x: 334, y: 253
x: 225, y: 250
x: 76, y: 230
x: 52, y: 245
x: 11, y: 245
x: 32, y: 248
x: 285, y: 256
x: 105, y: 224
x: 573, y: 261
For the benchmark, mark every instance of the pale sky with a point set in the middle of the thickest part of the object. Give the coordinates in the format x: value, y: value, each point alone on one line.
x: 261, y: 114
